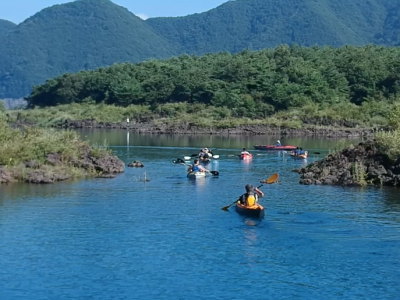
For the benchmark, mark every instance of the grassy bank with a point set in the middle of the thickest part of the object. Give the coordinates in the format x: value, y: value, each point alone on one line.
x: 46, y: 155
x: 373, y: 114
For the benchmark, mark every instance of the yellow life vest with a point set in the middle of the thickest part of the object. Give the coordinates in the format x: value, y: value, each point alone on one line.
x: 251, y: 200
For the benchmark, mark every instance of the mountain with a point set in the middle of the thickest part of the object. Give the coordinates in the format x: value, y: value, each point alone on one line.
x: 257, y: 24
x: 84, y: 34
x: 5, y: 27
x: 88, y: 34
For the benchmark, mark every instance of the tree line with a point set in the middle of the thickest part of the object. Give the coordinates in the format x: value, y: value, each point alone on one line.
x: 254, y: 84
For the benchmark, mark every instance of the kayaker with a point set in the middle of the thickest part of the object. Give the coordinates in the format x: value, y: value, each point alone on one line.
x: 197, y: 167
x: 250, y: 198
x: 205, y: 154
x: 296, y: 151
x: 245, y: 152
x: 278, y: 143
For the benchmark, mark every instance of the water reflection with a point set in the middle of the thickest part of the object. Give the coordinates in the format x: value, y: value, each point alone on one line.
x: 117, y: 137
x: 392, y: 199
x: 103, y: 234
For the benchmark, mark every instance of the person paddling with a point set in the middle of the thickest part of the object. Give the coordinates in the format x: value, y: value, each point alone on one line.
x: 250, y: 198
x: 245, y: 152
x: 197, y: 167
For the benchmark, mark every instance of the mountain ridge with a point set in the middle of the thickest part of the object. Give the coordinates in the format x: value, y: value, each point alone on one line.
x: 89, y: 34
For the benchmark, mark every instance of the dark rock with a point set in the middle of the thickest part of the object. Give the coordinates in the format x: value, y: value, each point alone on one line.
x: 359, y: 165
x: 54, y: 159
x: 136, y: 164
x: 5, y: 176
x: 108, y: 164
x: 32, y: 164
x: 45, y: 176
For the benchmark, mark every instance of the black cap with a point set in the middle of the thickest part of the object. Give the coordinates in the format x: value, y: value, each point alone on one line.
x: 249, y: 187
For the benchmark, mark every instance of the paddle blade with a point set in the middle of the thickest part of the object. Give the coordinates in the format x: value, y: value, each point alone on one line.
x: 215, y: 173
x: 226, y: 208
x: 272, y: 179
x: 178, y: 161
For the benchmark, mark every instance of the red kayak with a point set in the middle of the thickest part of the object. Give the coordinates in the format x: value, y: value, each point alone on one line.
x: 273, y: 147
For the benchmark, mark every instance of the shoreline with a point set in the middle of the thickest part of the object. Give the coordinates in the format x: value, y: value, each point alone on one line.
x: 152, y: 128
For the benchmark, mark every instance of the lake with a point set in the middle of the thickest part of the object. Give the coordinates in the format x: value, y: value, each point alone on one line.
x: 152, y: 233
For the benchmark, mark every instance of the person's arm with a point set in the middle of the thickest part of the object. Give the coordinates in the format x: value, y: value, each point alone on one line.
x: 259, y: 192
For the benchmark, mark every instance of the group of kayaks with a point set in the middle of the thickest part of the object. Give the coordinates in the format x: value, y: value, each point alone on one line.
x: 254, y: 211
x: 295, y: 151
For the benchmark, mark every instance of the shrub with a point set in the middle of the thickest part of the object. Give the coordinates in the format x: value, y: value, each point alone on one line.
x: 389, y: 143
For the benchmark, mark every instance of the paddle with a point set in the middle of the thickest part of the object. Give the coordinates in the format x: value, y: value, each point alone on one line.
x: 272, y: 179
x: 178, y: 161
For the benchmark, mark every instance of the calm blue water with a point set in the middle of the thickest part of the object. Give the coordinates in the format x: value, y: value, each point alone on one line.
x: 168, y: 238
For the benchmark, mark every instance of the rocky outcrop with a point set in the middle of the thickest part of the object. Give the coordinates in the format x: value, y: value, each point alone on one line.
x: 360, y: 165
x: 55, y: 169
x: 136, y: 164
x: 188, y: 128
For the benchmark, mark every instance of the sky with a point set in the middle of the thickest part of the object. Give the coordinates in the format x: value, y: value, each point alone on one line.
x: 17, y: 11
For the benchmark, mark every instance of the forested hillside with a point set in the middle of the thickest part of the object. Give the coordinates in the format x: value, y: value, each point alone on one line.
x: 80, y: 35
x: 5, y: 27
x: 253, y: 84
x: 87, y: 34
x: 257, y: 24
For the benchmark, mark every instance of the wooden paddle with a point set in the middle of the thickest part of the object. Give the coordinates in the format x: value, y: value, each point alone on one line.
x: 272, y: 179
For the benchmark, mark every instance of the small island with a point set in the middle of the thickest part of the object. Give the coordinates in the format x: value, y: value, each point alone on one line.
x: 36, y: 155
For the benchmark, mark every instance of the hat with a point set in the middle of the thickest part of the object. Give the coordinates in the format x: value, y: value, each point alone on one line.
x: 249, y: 187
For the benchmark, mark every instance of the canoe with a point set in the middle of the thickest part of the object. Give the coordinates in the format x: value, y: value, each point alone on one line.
x: 195, y: 175
x: 273, y: 147
x: 245, y: 156
x: 256, y: 211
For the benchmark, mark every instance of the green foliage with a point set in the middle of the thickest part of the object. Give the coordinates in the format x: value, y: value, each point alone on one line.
x: 394, y: 117
x: 79, y: 35
x: 89, y: 34
x: 258, y: 24
x: 33, y: 145
x: 359, y: 173
x: 357, y: 84
x: 389, y: 143
x: 20, y: 146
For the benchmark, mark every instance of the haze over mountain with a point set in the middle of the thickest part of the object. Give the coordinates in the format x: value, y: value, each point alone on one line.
x: 87, y: 34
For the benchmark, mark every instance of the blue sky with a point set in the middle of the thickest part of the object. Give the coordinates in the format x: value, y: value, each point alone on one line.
x: 17, y: 11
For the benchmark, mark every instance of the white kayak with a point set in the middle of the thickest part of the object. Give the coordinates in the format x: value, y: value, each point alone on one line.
x: 196, y: 174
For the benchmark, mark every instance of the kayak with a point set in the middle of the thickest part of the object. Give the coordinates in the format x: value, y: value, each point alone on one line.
x: 273, y: 147
x: 246, y: 156
x: 302, y: 155
x: 255, y: 211
x: 195, y: 175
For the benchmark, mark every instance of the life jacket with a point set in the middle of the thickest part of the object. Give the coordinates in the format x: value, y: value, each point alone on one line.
x: 196, y: 168
x: 249, y: 199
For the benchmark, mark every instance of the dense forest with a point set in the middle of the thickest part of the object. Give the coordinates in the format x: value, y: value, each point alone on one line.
x: 76, y: 36
x: 361, y: 82
x: 88, y: 34
x: 258, y: 24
